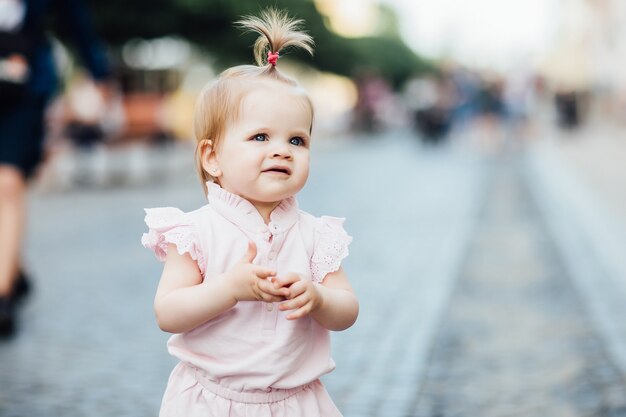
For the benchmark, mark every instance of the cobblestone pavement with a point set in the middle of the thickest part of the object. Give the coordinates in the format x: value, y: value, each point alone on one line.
x: 597, y: 153
x: 89, y: 345
x: 411, y: 214
x: 586, y: 227
x: 516, y: 339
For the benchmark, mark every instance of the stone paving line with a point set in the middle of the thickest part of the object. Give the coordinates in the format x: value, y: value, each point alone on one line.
x: 588, y: 235
x: 516, y: 339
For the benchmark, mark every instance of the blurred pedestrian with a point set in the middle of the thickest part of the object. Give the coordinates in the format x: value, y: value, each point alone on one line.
x: 375, y: 96
x: 252, y: 285
x: 27, y: 82
x: 491, y: 112
x: 433, y: 100
x: 519, y: 98
x: 567, y: 103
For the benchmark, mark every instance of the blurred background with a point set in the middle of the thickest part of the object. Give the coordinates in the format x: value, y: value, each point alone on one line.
x: 476, y: 149
x: 509, y: 69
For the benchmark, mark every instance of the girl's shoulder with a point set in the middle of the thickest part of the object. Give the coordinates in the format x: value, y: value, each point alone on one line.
x: 171, y: 225
x: 326, y: 242
x: 322, y: 223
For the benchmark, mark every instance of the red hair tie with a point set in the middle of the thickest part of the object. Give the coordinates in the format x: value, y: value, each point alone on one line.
x: 272, y: 57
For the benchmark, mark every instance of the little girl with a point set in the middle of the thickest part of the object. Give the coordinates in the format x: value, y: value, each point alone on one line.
x: 251, y: 284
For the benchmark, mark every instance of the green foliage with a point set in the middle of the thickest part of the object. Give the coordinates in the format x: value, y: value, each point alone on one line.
x: 209, y: 25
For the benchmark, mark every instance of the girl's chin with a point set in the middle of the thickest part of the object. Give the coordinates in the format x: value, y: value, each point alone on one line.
x: 266, y: 201
x: 271, y: 196
x: 270, y: 199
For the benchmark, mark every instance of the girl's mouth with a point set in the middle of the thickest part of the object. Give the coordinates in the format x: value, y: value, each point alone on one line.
x: 279, y: 170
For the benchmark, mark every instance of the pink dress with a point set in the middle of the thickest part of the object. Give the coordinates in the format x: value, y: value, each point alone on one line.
x: 250, y: 360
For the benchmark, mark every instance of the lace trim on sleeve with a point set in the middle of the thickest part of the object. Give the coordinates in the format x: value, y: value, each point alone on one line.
x: 330, y: 249
x: 168, y: 225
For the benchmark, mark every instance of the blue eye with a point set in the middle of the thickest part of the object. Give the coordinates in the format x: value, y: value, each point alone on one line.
x: 259, y: 137
x: 298, y: 141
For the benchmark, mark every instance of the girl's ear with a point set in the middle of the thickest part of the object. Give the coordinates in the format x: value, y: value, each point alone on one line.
x: 208, y: 158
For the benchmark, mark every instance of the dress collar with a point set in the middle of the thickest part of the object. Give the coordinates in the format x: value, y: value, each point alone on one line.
x: 242, y: 213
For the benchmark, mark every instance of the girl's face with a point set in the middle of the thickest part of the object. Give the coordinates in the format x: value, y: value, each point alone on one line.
x: 264, y: 155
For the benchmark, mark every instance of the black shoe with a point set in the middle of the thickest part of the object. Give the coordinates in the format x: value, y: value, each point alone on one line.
x: 22, y: 286
x: 7, y: 317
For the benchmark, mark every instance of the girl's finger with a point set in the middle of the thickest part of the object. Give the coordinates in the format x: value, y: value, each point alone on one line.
x: 267, y: 297
x: 287, y: 279
x: 293, y: 304
x: 299, y: 313
x: 264, y: 272
x: 250, y: 253
x: 288, y: 305
x: 268, y: 287
x: 297, y: 289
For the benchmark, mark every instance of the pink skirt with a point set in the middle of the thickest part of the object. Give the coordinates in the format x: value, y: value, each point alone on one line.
x: 190, y: 393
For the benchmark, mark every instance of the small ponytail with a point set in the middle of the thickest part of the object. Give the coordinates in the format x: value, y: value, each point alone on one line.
x: 277, y: 31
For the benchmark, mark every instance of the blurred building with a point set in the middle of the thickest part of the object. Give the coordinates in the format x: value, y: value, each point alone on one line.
x: 589, y: 52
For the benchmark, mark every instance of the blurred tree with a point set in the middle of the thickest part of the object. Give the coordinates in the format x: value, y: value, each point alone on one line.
x: 209, y: 25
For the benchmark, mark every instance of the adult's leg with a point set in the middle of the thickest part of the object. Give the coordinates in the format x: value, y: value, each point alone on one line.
x: 12, y: 214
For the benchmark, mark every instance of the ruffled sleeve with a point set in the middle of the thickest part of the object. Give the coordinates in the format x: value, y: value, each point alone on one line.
x: 331, y: 247
x: 171, y: 225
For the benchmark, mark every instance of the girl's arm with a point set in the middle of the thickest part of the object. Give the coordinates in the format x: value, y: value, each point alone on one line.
x: 183, y: 301
x: 332, y: 303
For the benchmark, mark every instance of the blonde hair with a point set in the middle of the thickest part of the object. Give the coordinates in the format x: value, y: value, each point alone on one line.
x: 219, y: 101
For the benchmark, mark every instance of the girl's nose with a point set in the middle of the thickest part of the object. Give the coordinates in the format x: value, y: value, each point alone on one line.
x: 281, y: 151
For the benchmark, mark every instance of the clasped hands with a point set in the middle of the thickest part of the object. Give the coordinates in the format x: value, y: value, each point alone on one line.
x: 250, y: 282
